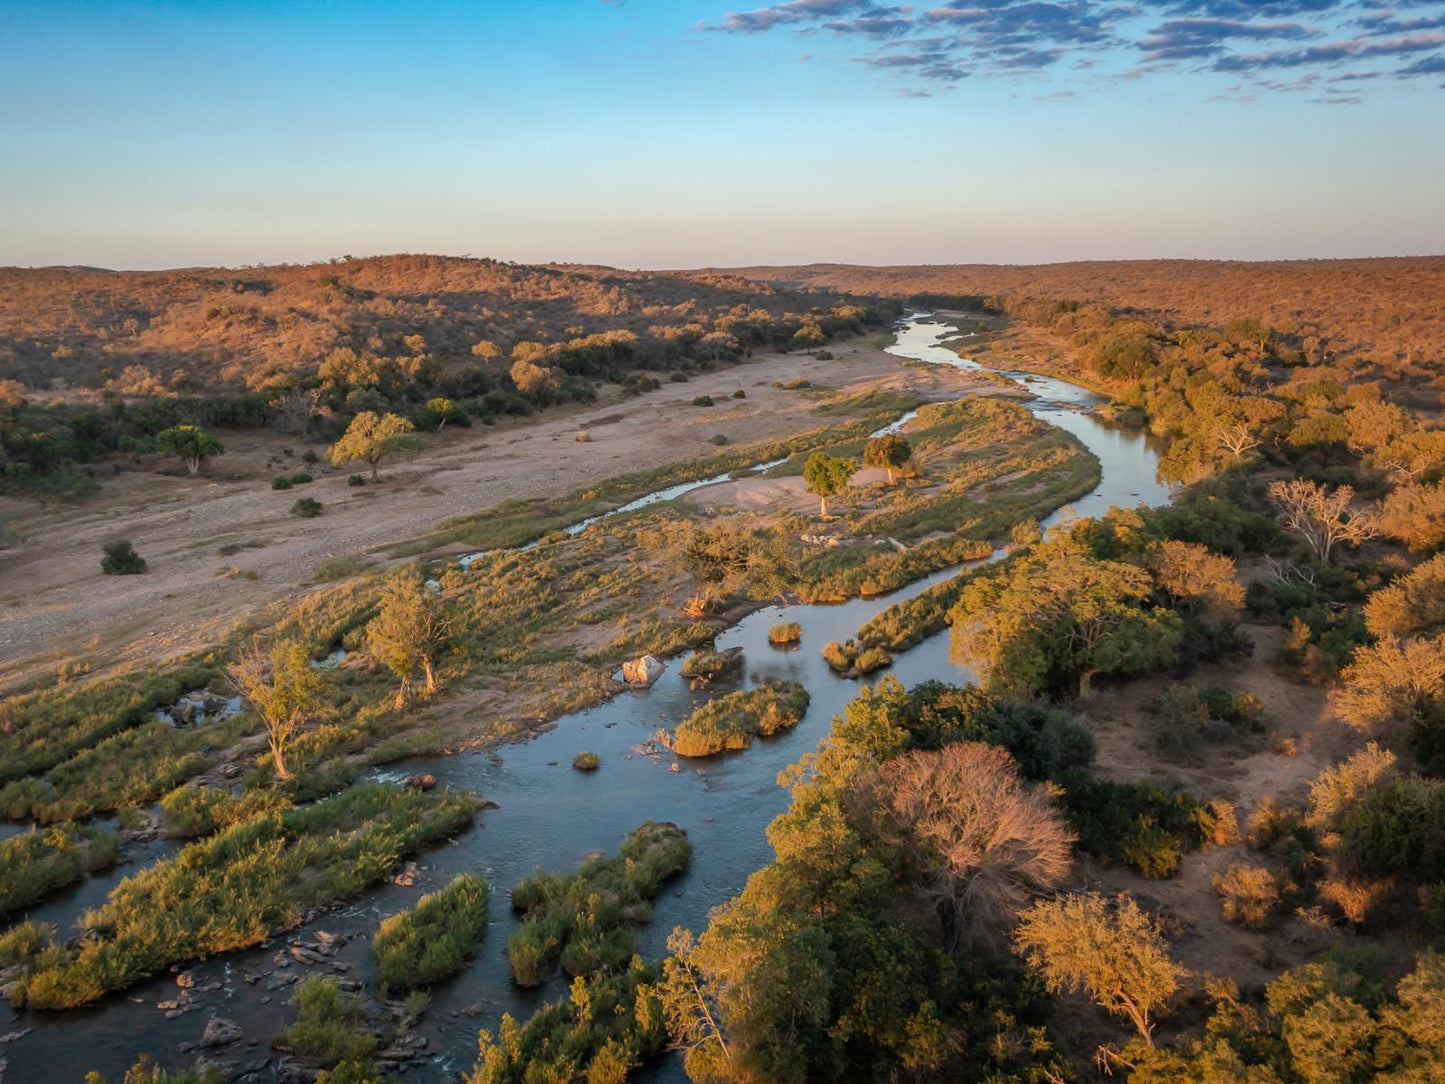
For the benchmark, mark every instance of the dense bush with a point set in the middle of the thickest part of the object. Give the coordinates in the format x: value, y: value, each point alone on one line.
x: 607, y: 1026
x: 121, y: 559
x: 433, y: 940
x: 35, y: 864
x: 330, y: 1024
x: 306, y: 508
x: 733, y: 720
x: 1249, y: 895
x: 585, y: 920
x: 1134, y: 824
x: 236, y: 888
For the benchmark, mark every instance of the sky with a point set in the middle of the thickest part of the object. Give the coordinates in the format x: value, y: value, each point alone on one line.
x: 685, y: 133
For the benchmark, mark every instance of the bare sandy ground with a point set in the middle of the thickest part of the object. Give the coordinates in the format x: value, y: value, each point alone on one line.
x: 56, y: 605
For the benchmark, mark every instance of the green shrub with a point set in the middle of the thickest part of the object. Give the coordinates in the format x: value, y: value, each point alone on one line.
x: 607, y: 1026
x: 719, y: 439
x: 121, y: 559
x: 281, y: 481
x: 188, y: 812
x: 584, y: 920
x: 433, y: 940
x: 238, y: 887
x: 1134, y: 824
x: 678, y: 377
x: 733, y: 720
x: 306, y: 508
x: 586, y: 762
x: 300, y: 478
x: 702, y: 400
x: 330, y: 1024
x: 355, y: 480
x: 35, y: 864
x: 740, y: 394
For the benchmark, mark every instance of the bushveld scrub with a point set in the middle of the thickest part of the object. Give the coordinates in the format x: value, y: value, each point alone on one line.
x: 606, y: 1026
x: 330, y: 1024
x: 35, y: 864
x: 1134, y: 824
x: 238, y: 887
x: 434, y: 939
x: 41, y: 729
x: 585, y: 919
x: 733, y: 720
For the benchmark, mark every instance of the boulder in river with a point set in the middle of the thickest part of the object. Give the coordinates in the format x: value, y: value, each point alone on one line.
x: 421, y: 782
x: 220, y: 1032
x: 643, y: 671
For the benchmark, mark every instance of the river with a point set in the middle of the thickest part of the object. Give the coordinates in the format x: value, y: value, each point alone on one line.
x: 549, y: 815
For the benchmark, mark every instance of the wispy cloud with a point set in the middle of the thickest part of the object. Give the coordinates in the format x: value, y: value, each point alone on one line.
x: 1110, y: 39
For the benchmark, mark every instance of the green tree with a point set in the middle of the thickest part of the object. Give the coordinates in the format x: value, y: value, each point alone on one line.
x: 1109, y: 949
x: 193, y: 444
x: 827, y: 476
x: 408, y: 631
x: 372, y: 439
x: 1061, y: 617
x: 890, y: 451
x: 284, y: 689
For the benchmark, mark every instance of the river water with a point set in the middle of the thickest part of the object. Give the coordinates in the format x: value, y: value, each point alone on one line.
x: 549, y: 815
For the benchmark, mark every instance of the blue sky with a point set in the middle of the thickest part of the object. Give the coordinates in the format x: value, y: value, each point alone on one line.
x: 667, y: 133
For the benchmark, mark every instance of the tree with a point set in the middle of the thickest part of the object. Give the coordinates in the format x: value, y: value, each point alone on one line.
x: 984, y: 840
x: 1194, y: 577
x: 486, y: 350
x: 1392, y: 683
x: 121, y: 559
x: 371, y: 439
x: 1236, y: 438
x: 1415, y: 515
x: 1061, y: 617
x: 827, y: 476
x: 193, y: 444
x: 1322, y: 517
x: 1412, y: 605
x: 533, y: 380
x: 408, y: 631
x: 1110, y: 949
x: 890, y: 451
x: 284, y: 689
x: 444, y: 409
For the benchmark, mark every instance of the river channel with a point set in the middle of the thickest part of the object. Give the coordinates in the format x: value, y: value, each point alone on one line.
x: 550, y: 816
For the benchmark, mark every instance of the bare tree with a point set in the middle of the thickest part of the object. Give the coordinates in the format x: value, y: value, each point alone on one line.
x: 983, y: 838
x: 1320, y: 516
x: 1236, y: 438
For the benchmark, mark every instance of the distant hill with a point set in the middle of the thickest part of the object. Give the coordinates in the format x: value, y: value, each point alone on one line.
x: 1389, y: 310
x: 256, y: 327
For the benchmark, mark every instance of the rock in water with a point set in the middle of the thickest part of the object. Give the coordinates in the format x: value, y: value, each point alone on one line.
x: 643, y: 671
x: 220, y: 1032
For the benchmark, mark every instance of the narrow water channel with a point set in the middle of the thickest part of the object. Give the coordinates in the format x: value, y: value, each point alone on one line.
x: 549, y: 815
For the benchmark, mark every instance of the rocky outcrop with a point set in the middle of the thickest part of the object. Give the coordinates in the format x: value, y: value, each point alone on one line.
x: 644, y: 671
x: 221, y: 1032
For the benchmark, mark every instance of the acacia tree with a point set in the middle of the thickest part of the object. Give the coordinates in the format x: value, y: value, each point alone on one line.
x: 192, y: 443
x: 371, y: 439
x: 1320, y: 516
x: 1110, y: 949
x: 984, y: 840
x: 284, y: 689
x: 827, y: 476
x: 1393, y: 683
x: 1195, y: 577
x: 890, y: 451
x: 409, y: 631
